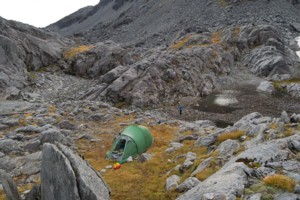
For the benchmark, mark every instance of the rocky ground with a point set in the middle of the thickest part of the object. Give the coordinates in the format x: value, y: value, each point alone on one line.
x: 62, y: 101
x: 189, y: 160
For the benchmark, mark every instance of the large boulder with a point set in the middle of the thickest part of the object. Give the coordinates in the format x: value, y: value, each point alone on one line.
x: 90, y: 184
x: 58, y: 180
x: 221, y: 185
x: 188, y: 184
x: 68, y: 176
x: 228, y: 148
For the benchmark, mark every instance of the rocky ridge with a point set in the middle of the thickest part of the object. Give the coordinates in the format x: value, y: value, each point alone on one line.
x: 154, y: 23
x: 25, y: 48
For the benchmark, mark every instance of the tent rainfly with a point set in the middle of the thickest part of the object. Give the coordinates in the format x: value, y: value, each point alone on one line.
x: 134, y: 140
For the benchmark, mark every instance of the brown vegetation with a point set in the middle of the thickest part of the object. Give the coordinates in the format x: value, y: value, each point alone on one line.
x: 231, y: 135
x: 280, y: 181
x: 75, y: 50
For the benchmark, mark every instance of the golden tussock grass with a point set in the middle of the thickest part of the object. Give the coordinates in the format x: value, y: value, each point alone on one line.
x: 207, y: 172
x: 51, y: 109
x: 231, y: 135
x: 273, y: 125
x: 2, y: 195
x: 22, y: 121
x: 280, y: 181
x: 75, y: 50
x: 179, y: 44
x: 216, y: 37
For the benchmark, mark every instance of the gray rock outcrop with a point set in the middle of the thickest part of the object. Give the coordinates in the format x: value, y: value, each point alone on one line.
x: 24, y: 48
x: 228, y: 148
x: 9, y: 186
x: 220, y: 184
x: 188, y: 184
x: 293, y: 89
x: 68, y: 176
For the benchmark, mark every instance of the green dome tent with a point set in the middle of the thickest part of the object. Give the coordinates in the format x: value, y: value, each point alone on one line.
x: 134, y: 140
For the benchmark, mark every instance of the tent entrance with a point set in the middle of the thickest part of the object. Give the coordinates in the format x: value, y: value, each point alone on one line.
x: 122, y: 145
x: 118, y: 151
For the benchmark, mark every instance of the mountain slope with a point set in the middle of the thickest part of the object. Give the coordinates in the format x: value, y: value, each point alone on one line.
x: 157, y: 22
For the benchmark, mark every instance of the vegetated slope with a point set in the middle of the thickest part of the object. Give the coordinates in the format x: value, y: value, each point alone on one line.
x: 25, y: 48
x: 157, y: 22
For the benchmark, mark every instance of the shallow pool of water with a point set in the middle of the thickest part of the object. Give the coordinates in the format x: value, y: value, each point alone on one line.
x: 228, y: 101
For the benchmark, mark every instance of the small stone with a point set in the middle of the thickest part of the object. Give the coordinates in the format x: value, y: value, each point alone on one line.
x: 129, y: 159
x: 243, y: 138
x: 26, y: 192
x: 145, y: 157
x: 188, y: 184
x: 174, y: 146
x: 186, y: 165
x: 108, y: 167
x: 191, y: 156
x: 66, y: 125
x: 102, y: 171
x: 177, y: 167
x: 172, y: 182
x: 255, y: 197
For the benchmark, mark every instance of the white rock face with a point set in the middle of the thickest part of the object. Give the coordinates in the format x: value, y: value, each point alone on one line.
x: 298, y: 40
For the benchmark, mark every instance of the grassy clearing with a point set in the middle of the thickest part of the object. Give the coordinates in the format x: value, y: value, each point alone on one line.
x: 280, y: 181
x: 134, y: 180
x: 137, y: 180
x: 75, y: 50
